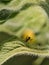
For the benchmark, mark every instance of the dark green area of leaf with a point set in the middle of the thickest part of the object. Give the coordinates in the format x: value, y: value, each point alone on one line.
x: 47, y: 1
x: 4, y: 14
x: 45, y: 61
x: 37, y: 33
x: 27, y: 5
x: 45, y: 6
x: 13, y: 14
x: 21, y: 60
x: 5, y: 1
x: 45, y: 24
x: 5, y: 37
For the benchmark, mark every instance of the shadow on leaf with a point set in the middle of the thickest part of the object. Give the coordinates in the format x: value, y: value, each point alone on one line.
x: 5, y: 37
x: 45, y: 6
x: 5, y: 1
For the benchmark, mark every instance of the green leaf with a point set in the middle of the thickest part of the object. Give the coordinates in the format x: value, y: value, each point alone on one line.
x: 17, y: 16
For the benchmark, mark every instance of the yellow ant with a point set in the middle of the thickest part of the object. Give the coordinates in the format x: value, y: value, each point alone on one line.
x: 28, y: 36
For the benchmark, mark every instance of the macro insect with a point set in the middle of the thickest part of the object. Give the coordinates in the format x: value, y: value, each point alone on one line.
x: 28, y: 36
